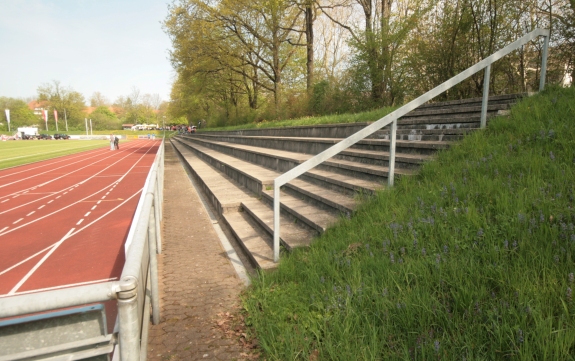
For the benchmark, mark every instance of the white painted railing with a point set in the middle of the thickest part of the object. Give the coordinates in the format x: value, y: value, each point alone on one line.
x: 484, y: 64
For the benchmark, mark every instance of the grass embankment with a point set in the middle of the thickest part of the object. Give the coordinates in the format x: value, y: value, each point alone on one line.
x: 327, y: 119
x: 13, y: 153
x: 473, y: 259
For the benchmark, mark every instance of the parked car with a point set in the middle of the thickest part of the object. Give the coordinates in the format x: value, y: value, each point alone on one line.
x: 61, y: 136
x: 28, y: 137
x: 44, y: 136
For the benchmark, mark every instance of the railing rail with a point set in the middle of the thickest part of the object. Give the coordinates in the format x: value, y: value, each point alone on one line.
x: 484, y: 64
x: 138, y: 284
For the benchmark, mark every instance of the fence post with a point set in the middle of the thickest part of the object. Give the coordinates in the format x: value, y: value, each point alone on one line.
x: 129, y: 335
x: 276, y: 221
x: 157, y: 216
x: 392, y: 143
x: 486, y: 77
x: 153, y: 267
x: 544, y: 63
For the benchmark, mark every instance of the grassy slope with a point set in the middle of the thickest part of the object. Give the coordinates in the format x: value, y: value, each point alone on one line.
x: 471, y: 259
x: 13, y: 153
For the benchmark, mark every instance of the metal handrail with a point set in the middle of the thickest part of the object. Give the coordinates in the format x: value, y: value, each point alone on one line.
x: 393, y: 116
x: 138, y: 284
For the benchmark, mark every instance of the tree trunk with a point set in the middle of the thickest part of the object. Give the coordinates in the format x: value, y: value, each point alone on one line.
x: 309, y: 43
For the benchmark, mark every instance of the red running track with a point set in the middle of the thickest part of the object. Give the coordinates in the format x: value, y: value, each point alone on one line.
x: 63, y: 222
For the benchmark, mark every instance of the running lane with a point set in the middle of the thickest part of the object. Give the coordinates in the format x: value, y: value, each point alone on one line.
x: 65, y: 223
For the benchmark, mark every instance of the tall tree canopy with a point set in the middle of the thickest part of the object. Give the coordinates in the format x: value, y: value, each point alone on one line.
x: 240, y: 60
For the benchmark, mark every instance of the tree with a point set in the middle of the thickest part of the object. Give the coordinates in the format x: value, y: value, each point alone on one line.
x: 63, y: 99
x: 103, y: 119
x: 98, y: 100
x: 20, y: 114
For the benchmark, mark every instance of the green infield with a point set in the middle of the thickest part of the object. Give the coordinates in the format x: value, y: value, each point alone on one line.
x: 14, y: 153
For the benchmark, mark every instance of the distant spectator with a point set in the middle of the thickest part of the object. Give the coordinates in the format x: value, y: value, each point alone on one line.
x: 116, y: 143
x: 112, y: 142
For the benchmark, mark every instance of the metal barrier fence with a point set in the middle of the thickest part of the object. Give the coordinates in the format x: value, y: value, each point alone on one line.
x: 136, y: 289
x: 391, y: 118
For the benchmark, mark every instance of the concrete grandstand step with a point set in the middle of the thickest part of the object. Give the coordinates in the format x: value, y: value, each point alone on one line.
x: 246, y: 226
x: 433, y: 111
x: 316, y: 187
x: 258, y: 249
x: 282, y: 161
x: 293, y: 234
x: 293, y: 151
x: 223, y: 194
x: 495, y: 99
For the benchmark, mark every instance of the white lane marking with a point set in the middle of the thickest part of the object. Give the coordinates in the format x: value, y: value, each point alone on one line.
x: 65, y: 193
x: 31, y: 272
x: 6, y: 200
x: 93, y: 208
x: 2, y: 230
x: 104, y: 197
x: 26, y: 260
x: 15, y: 196
x: 62, y: 286
x: 50, y: 201
x: 111, y: 189
x: 107, y: 193
x: 70, y: 234
x: 98, y: 202
x: 18, y: 220
x: 42, y: 206
x: 58, y: 197
x: 25, y: 192
x: 72, y: 188
x: 81, y: 200
x: 31, y: 213
x: 87, y: 214
x: 80, y: 222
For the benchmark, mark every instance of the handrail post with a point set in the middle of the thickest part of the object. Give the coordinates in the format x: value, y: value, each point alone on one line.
x: 276, y: 221
x: 486, y: 77
x: 544, y: 63
x: 157, y: 216
x: 129, y: 335
x: 392, y: 143
x: 152, y: 229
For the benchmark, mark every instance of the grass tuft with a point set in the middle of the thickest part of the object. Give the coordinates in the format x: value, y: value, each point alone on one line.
x: 471, y: 259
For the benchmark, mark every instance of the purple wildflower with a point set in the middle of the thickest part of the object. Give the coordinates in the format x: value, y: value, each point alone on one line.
x: 423, y: 252
x: 384, y: 293
x: 571, y: 277
x: 569, y: 294
x: 480, y: 232
x: 520, y: 336
x: 551, y: 155
x: 391, y: 257
x: 436, y: 345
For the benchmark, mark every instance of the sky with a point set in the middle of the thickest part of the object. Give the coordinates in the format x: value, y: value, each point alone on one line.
x: 106, y: 46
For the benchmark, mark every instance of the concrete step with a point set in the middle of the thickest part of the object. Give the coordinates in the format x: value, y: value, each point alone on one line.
x: 227, y: 197
x: 294, y: 234
x: 322, y: 189
x: 258, y: 249
x: 496, y: 99
x: 283, y: 161
x: 250, y: 220
x: 405, y: 149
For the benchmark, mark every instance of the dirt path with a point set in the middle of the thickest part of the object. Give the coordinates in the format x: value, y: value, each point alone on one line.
x: 198, y: 284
